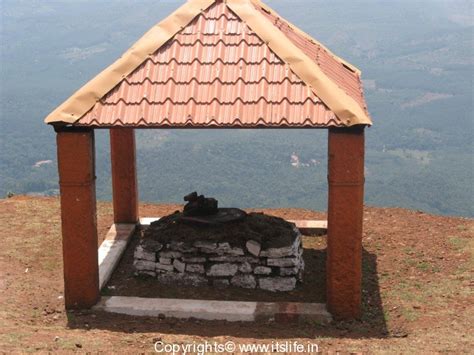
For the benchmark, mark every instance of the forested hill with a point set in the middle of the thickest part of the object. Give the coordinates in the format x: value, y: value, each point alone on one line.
x: 417, y: 64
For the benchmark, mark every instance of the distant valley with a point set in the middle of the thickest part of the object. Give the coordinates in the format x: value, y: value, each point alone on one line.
x: 417, y: 64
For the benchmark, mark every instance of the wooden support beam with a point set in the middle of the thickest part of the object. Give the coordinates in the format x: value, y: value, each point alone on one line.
x: 124, y: 175
x: 78, y: 218
x: 345, y: 216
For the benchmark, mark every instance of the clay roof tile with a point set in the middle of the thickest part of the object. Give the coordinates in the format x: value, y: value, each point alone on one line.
x: 221, y: 64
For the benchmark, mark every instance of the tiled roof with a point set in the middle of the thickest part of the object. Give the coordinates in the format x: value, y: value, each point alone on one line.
x: 344, y: 75
x: 217, y: 71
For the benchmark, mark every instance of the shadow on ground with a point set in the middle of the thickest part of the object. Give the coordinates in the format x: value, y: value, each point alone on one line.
x: 123, y: 283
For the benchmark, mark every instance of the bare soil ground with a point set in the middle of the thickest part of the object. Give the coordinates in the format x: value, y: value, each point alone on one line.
x: 417, y: 289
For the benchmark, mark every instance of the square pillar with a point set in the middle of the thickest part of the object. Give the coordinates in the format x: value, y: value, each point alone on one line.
x: 124, y: 175
x: 76, y: 164
x: 345, y: 218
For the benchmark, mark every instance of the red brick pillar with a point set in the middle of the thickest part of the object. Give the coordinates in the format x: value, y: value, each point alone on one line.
x: 345, y: 216
x: 124, y: 175
x: 78, y: 217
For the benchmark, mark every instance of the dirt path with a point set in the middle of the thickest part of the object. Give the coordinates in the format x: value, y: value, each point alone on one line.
x: 418, y: 290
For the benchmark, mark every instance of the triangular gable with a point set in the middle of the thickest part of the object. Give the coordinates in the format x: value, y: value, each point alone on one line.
x: 215, y: 72
x: 115, y: 98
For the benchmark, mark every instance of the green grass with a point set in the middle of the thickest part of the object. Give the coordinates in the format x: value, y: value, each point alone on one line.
x: 458, y: 243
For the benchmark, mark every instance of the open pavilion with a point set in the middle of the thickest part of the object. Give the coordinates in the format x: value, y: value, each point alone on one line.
x: 213, y: 64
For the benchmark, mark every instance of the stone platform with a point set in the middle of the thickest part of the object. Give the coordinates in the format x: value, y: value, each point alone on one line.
x: 247, y: 260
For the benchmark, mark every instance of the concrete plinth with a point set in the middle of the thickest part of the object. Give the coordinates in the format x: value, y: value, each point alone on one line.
x: 232, y: 311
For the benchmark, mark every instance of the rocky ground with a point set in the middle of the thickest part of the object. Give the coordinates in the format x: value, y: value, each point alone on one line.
x: 417, y: 289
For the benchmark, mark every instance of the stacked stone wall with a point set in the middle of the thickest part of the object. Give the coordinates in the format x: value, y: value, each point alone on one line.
x: 222, y: 264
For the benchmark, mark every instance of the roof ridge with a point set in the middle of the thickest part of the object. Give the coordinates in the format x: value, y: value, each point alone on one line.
x: 340, y: 102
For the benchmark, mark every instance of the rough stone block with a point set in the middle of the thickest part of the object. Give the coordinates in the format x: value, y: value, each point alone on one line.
x: 179, y: 265
x: 283, y: 262
x: 289, y: 271
x: 208, y: 251
x: 253, y: 247
x: 166, y: 261
x: 244, y: 281
x: 236, y: 251
x: 151, y: 245
x: 194, y: 259
x: 164, y: 267
x: 245, y: 267
x: 182, y: 247
x: 142, y: 265
x: 205, y: 245
x: 189, y: 250
x: 300, y: 274
x: 197, y: 268
x: 291, y: 250
x: 223, y: 248
x: 234, y: 259
x: 262, y: 270
x: 226, y: 269
x: 277, y: 283
x: 299, y: 253
x: 170, y: 254
x: 142, y: 254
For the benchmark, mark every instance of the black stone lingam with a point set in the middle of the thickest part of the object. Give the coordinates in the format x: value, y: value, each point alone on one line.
x: 205, y: 211
x: 198, y: 205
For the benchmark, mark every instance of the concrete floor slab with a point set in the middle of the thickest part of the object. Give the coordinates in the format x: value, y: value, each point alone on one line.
x: 114, y: 246
x: 232, y: 311
x: 111, y: 250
